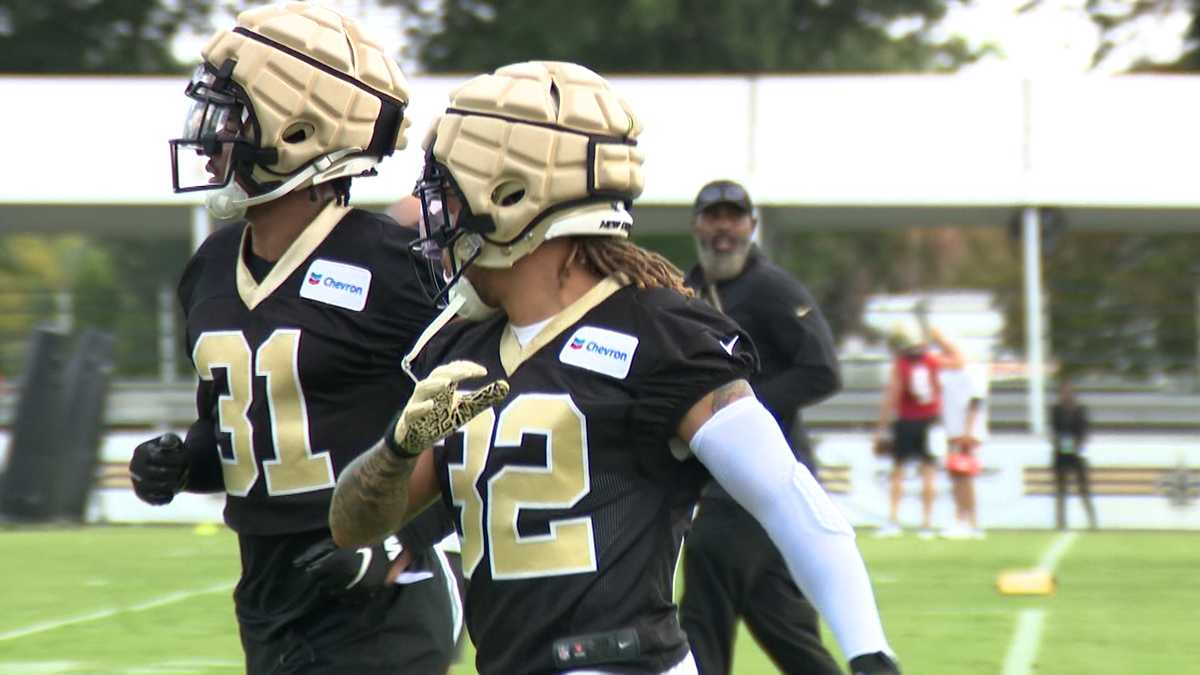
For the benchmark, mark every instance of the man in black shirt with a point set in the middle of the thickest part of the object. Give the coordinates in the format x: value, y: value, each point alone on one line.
x: 1069, y: 422
x: 731, y: 568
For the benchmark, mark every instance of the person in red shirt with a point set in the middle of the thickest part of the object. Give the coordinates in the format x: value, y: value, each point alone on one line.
x: 912, y: 403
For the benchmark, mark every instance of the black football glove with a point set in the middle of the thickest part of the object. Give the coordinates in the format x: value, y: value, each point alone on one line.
x: 878, y: 663
x: 159, y: 469
x: 349, y: 571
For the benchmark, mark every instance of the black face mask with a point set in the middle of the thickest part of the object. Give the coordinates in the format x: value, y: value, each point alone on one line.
x: 219, y: 133
x: 440, y: 232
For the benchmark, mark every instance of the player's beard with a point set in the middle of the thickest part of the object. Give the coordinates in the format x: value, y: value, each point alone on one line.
x: 723, y: 265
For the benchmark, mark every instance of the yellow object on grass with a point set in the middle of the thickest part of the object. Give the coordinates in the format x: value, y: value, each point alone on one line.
x: 205, y: 529
x: 1026, y: 582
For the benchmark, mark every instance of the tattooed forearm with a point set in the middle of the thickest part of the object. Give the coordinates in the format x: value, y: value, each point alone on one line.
x: 370, y: 498
x: 728, y: 393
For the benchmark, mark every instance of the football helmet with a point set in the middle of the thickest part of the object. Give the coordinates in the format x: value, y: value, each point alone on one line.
x: 531, y: 152
x: 294, y: 95
x: 904, y: 336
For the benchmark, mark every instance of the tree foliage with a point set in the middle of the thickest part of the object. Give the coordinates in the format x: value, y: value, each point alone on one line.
x: 1123, y: 303
x: 1120, y: 24
x: 1190, y: 59
x: 111, y: 284
x: 95, y: 36
x: 682, y: 36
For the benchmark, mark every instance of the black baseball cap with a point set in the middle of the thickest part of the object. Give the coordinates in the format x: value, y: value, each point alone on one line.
x: 722, y: 192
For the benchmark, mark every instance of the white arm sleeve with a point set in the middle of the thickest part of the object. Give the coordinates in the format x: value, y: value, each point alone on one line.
x: 746, y: 453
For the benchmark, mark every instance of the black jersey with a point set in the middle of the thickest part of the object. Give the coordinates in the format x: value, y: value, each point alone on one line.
x: 300, y: 373
x: 569, y: 494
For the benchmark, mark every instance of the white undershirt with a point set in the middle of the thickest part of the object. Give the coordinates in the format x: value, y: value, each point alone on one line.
x: 525, y: 334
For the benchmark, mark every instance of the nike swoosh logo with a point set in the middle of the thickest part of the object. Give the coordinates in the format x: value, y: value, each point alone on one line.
x: 802, y: 311
x: 365, y: 552
x: 728, y: 346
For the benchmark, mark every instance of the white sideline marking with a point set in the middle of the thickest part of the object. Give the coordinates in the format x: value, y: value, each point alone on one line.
x: 171, y: 667
x: 167, y: 599
x: 1024, y: 648
x: 1022, y: 651
x: 38, y: 667
x: 1058, y: 548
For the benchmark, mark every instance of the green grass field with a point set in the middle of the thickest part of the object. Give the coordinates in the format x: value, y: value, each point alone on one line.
x: 142, y: 600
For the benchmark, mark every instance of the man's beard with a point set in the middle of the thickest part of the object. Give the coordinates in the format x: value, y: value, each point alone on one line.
x: 723, y: 265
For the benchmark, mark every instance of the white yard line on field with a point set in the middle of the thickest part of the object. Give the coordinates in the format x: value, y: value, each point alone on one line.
x: 1058, y: 548
x: 169, y: 667
x: 1024, y: 647
x: 1022, y: 651
x: 98, y: 615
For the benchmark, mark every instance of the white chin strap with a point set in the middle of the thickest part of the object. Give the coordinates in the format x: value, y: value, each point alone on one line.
x: 231, y: 201
x: 463, y: 302
x: 469, y: 305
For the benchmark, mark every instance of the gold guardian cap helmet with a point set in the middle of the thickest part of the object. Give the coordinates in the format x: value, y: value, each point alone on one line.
x: 531, y: 152
x: 294, y: 95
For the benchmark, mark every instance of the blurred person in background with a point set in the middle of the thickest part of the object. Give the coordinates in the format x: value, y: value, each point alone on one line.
x: 1070, y: 427
x: 965, y: 418
x: 731, y: 568
x: 912, y: 404
x: 616, y: 394
x: 297, y: 317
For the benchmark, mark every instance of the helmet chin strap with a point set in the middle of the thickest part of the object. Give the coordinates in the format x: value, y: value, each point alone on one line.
x: 464, y: 302
x: 231, y: 201
x: 469, y: 305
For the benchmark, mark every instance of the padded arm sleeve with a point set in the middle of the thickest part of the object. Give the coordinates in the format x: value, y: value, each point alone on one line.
x: 746, y: 453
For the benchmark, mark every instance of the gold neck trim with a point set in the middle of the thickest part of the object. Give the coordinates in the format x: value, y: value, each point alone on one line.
x: 252, y: 292
x: 512, y: 354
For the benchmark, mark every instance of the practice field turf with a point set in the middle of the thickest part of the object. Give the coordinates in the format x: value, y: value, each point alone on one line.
x: 144, y: 600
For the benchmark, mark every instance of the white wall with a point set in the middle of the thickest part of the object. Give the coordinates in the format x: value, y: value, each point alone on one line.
x: 1001, y: 488
x: 896, y: 140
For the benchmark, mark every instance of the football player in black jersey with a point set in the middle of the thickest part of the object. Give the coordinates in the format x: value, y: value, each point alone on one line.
x: 296, y: 322
x: 597, y: 397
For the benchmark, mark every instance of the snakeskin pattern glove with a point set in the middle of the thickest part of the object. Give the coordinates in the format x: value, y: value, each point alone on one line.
x: 436, y: 408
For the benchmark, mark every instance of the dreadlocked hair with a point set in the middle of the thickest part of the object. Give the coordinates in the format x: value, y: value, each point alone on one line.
x: 610, y: 256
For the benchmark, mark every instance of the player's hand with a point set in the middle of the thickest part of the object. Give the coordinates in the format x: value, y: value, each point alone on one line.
x: 350, y: 571
x: 878, y: 663
x: 881, y: 446
x: 159, y: 469
x: 436, y: 409
x: 921, y: 312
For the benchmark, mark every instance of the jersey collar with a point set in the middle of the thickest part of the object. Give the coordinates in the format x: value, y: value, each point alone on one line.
x: 252, y: 292
x: 512, y: 354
